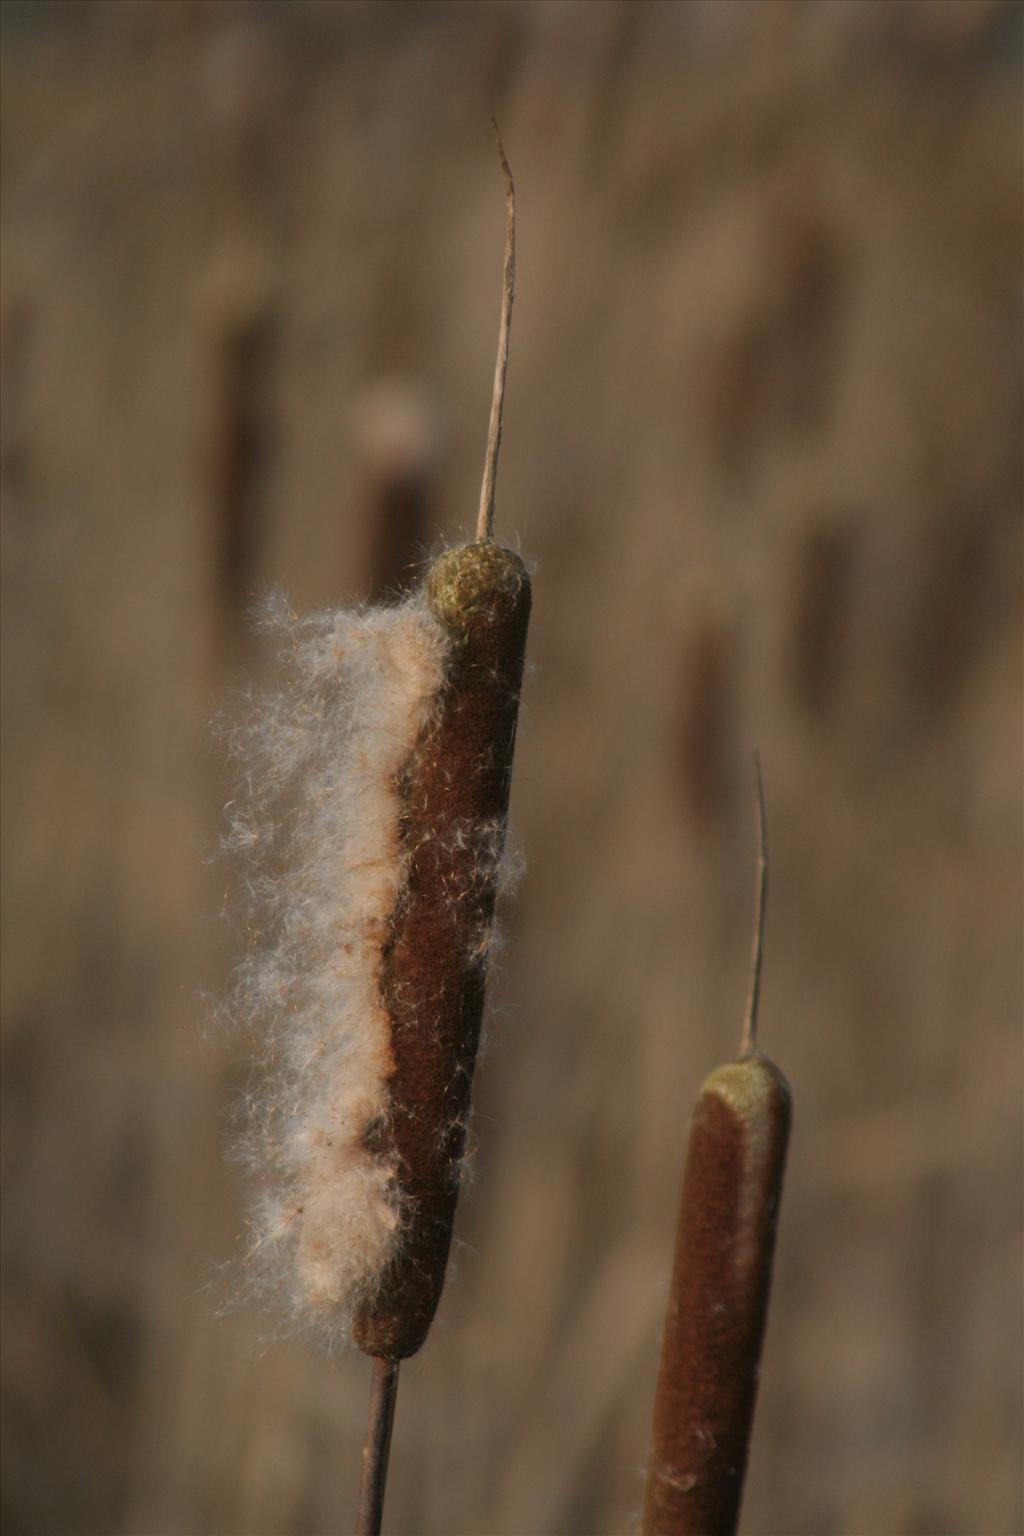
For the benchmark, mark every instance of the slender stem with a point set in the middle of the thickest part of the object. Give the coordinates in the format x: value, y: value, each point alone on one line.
x: 485, y: 519
x: 383, y: 1390
x: 748, y: 1040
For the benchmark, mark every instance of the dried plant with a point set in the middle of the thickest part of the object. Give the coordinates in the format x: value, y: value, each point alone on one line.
x: 377, y: 786
x: 721, y: 1279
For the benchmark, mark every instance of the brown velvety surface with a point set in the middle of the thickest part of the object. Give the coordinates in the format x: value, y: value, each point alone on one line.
x: 456, y: 800
x: 714, y: 1328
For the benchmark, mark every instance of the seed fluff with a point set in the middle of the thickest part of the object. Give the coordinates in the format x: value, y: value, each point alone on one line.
x: 316, y: 830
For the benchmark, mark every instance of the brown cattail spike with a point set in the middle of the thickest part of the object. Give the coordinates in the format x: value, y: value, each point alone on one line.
x: 721, y: 1278
x: 455, y: 802
x: 455, y: 797
x: 714, y: 1330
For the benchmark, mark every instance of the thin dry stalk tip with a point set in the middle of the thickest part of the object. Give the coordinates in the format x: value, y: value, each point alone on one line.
x: 748, y: 1039
x: 485, y: 517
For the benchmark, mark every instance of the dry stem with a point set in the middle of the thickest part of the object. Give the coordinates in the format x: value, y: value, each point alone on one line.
x: 383, y: 1391
x: 485, y: 518
x: 748, y: 1039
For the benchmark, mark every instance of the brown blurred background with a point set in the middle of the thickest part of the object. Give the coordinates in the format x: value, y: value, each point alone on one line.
x: 763, y: 440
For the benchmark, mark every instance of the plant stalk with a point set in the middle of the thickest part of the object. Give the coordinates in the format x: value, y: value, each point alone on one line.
x: 381, y: 1417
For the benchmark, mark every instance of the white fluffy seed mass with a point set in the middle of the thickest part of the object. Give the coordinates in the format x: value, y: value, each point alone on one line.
x: 317, y: 827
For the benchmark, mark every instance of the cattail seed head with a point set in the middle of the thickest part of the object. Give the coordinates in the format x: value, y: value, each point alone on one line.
x: 455, y: 802
x: 373, y: 828
x: 377, y: 790
x: 718, y: 1303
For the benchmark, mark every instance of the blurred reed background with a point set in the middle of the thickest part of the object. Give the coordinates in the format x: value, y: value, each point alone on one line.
x: 763, y: 442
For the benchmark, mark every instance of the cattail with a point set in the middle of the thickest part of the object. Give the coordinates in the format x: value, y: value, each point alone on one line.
x: 378, y: 789
x: 454, y: 806
x: 721, y: 1278
x: 454, y: 796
